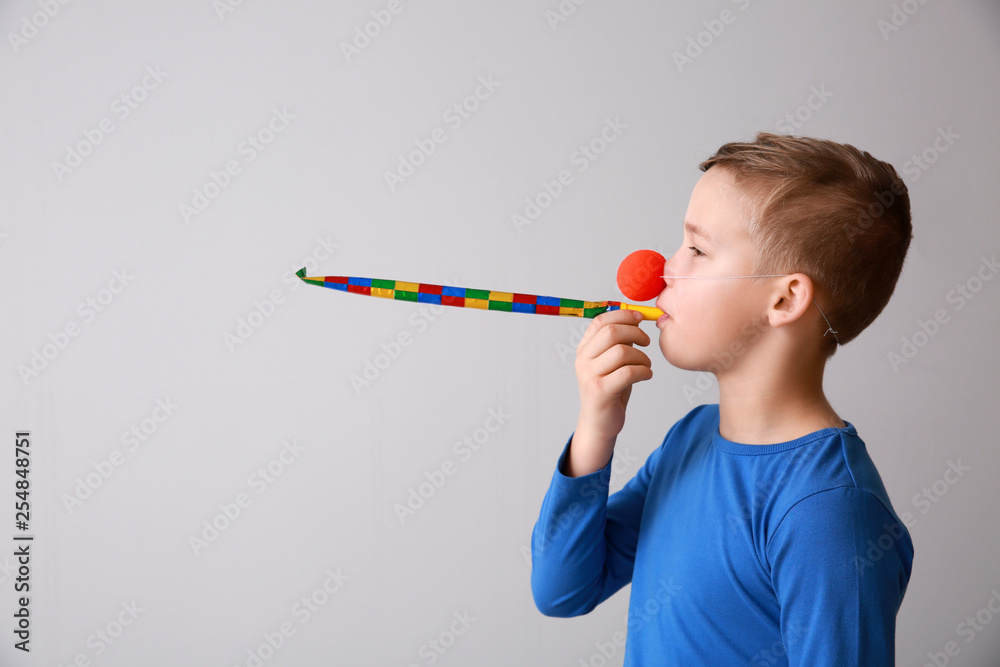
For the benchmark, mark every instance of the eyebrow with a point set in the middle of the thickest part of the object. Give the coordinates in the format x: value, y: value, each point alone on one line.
x: 695, y: 230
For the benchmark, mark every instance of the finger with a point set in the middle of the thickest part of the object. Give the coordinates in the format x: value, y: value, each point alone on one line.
x: 613, y: 327
x: 623, y: 333
x: 611, y: 335
x: 621, y: 316
x: 625, y: 377
x: 617, y: 357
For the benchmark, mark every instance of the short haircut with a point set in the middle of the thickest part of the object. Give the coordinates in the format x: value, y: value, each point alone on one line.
x: 827, y: 210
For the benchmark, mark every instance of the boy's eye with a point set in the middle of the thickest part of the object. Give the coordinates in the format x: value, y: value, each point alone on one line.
x: 697, y: 253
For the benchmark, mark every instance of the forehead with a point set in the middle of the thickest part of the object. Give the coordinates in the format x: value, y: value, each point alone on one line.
x: 716, y: 211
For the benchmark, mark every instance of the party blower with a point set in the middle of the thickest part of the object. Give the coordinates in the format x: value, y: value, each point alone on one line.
x: 639, y: 278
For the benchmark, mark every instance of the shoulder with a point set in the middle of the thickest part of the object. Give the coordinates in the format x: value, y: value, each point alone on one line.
x: 842, y: 534
x: 833, y: 509
x: 826, y: 483
x: 847, y: 520
x: 832, y: 460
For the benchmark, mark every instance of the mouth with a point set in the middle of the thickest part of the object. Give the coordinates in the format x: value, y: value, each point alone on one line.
x: 662, y: 319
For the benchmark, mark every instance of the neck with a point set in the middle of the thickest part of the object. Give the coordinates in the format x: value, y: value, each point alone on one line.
x: 773, y: 398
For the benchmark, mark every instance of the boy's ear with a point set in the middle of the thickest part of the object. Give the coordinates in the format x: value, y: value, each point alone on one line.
x: 792, y: 297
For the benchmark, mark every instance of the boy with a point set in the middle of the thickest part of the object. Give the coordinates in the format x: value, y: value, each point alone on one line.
x: 759, y: 533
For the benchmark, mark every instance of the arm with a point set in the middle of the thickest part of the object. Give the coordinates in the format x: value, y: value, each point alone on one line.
x: 840, y: 563
x: 607, y: 365
x: 583, y: 545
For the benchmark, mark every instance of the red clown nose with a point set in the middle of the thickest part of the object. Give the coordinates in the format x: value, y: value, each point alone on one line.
x: 640, y: 275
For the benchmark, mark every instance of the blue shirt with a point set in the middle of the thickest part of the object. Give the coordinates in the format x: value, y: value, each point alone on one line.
x: 784, y: 554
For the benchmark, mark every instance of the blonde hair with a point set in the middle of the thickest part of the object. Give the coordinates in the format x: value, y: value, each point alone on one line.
x: 827, y: 210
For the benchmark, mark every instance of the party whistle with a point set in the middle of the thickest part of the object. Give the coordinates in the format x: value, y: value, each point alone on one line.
x: 464, y: 297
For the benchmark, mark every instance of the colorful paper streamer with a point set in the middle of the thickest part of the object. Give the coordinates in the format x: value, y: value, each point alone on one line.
x: 464, y: 297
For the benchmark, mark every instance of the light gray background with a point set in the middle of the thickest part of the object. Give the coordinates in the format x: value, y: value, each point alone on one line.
x: 317, y: 196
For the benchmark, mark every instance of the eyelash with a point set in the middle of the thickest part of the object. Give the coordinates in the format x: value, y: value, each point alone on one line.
x: 697, y: 253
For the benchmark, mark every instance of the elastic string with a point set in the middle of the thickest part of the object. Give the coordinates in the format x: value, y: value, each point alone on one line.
x: 829, y: 327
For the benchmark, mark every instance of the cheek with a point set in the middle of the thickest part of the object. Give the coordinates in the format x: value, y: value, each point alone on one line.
x: 705, y: 319
x: 697, y: 306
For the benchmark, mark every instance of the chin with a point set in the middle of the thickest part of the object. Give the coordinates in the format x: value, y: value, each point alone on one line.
x: 688, y: 357
x: 676, y: 358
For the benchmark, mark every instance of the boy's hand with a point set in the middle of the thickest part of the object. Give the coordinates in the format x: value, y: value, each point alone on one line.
x: 607, y: 365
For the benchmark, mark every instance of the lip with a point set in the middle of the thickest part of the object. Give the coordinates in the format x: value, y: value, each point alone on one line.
x: 662, y: 319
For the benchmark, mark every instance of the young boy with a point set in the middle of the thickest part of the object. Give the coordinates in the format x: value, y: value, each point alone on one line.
x: 759, y: 532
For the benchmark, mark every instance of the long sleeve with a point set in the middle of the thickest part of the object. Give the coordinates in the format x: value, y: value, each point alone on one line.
x: 840, y: 563
x: 583, y: 545
x: 788, y: 554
